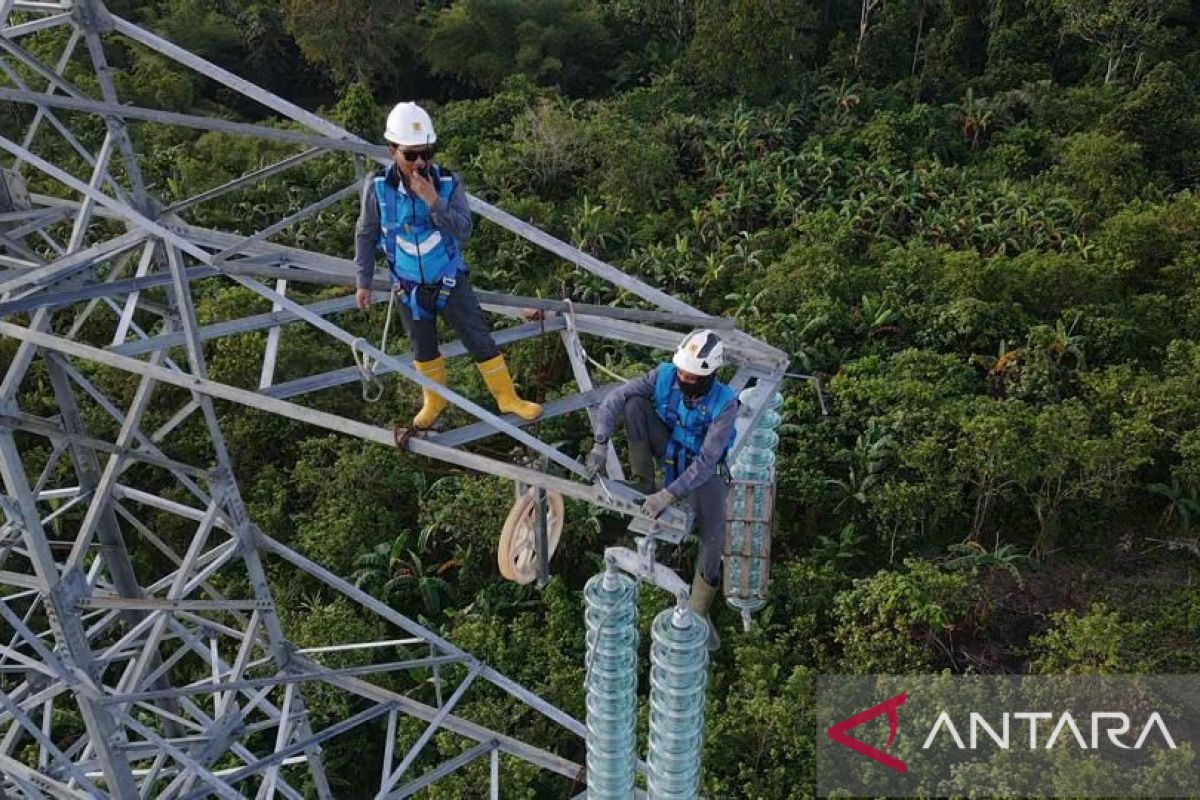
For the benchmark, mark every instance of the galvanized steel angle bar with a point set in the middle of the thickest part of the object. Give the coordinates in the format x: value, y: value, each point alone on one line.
x: 40, y: 99
x: 160, y: 620
x: 223, y: 76
x: 282, y: 734
x: 84, y: 217
x: 248, y: 179
x: 336, y: 729
x: 44, y: 218
x: 340, y: 377
x: 75, y: 262
x: 61, y: 438
x: 191, y: 642
x: 131, y: 301
x: 479, y: 733
x: 291, y: 219
x: 169, y: 552
x: 15, y: 656
x: 110, y: 408
x: 67, y: 626
x: 133, y: 216
x: 403, y: 622
x: 255, y: 322
x: 454, y: 397
x: 43, y: 100
x: 282, y: 679
x: 583, y: 379
x: 99, y: 507
x: 22, y: 631
x: 582, y: 259
x: 34, y: 25
x: 92, y: 17
x: 447, y: 767
x: 214, y: 783
x: 586, y: 492
x: 74, y: 101
x: 243, y: 530
x: 430, y: 729
x: 47, y: 746
x: 34, y: 783
x: 458, y: 437
x: 266, y: 375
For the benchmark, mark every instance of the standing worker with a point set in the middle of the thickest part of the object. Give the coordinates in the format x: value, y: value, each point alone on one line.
x: 680, y: 413
x: 417, y: 213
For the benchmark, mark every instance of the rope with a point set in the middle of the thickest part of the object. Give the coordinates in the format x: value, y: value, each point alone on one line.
x: 401, y: 435
x: 372, y: 389
x: 543, y: 357
x: 584, y: 354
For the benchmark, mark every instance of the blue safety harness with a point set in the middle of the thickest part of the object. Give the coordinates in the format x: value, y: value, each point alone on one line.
x: 423, y: 260
x: 688, y: 426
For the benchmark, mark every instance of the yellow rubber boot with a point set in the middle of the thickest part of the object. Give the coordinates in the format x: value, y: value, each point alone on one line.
x: 500, y: 384
x: 433, y: 403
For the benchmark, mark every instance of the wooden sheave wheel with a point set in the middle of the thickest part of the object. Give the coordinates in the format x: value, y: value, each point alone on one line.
x: 517, y: 553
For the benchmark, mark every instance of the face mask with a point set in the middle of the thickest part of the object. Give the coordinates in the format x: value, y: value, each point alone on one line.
x: 697, y: 388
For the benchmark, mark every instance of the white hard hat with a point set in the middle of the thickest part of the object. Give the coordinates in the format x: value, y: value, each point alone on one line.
x: 409, y: 125
x: 700, y: 353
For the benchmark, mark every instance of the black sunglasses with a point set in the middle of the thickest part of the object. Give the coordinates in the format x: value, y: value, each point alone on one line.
x: 413, y: 155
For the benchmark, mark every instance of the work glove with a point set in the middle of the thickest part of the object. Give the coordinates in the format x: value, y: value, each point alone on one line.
x: 657, y: 503
x: 596, y: 460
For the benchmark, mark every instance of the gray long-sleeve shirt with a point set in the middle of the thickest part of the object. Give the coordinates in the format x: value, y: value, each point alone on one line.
x: 711, y: 451
x: 453, y: 218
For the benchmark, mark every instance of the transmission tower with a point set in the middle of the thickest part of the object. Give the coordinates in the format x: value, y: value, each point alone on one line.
x: 86, y: 630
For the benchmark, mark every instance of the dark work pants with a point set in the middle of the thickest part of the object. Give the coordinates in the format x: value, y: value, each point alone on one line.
x: 463, y: 313
x: 708, y: 499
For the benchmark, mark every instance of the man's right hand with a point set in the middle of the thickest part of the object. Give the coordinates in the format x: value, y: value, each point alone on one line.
x: 596, y: 460
x: 362, y: 299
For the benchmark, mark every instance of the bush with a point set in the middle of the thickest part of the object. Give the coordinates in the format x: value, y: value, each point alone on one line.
x: 1103, y: 170
x: 898, y: 621
x: 1097, y: 642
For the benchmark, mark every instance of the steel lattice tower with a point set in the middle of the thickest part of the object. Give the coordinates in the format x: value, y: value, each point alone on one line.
x: 81, y: 627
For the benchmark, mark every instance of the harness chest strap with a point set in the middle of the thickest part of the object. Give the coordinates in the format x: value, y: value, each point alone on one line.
x: 688, y: 426
x: 415, y: 249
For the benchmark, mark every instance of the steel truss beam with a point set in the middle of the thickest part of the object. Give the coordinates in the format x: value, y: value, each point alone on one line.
x: 186, y: 690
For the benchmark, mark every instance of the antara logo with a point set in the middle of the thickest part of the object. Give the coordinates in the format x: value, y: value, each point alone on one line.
x: 838, y: 732
x: 1112, y: 726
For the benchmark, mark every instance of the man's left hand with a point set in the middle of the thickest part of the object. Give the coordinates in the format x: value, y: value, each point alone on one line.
x: 422, y: 187
x: 657, y: 503
x: 596, y: 460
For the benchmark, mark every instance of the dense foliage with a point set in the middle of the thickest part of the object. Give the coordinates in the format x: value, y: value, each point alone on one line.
x: 975, y: 223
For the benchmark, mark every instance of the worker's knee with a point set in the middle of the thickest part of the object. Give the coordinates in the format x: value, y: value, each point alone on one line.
x: 637, y: 408
x: 482, y: 349
x: 709, y: 498
x: 477, y: 338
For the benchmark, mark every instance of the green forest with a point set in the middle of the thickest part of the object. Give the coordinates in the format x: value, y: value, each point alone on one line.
x: 973, y: 225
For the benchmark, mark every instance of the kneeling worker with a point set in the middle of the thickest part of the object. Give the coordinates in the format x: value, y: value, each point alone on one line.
x: 682, y: 414
x: 417, y: 213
